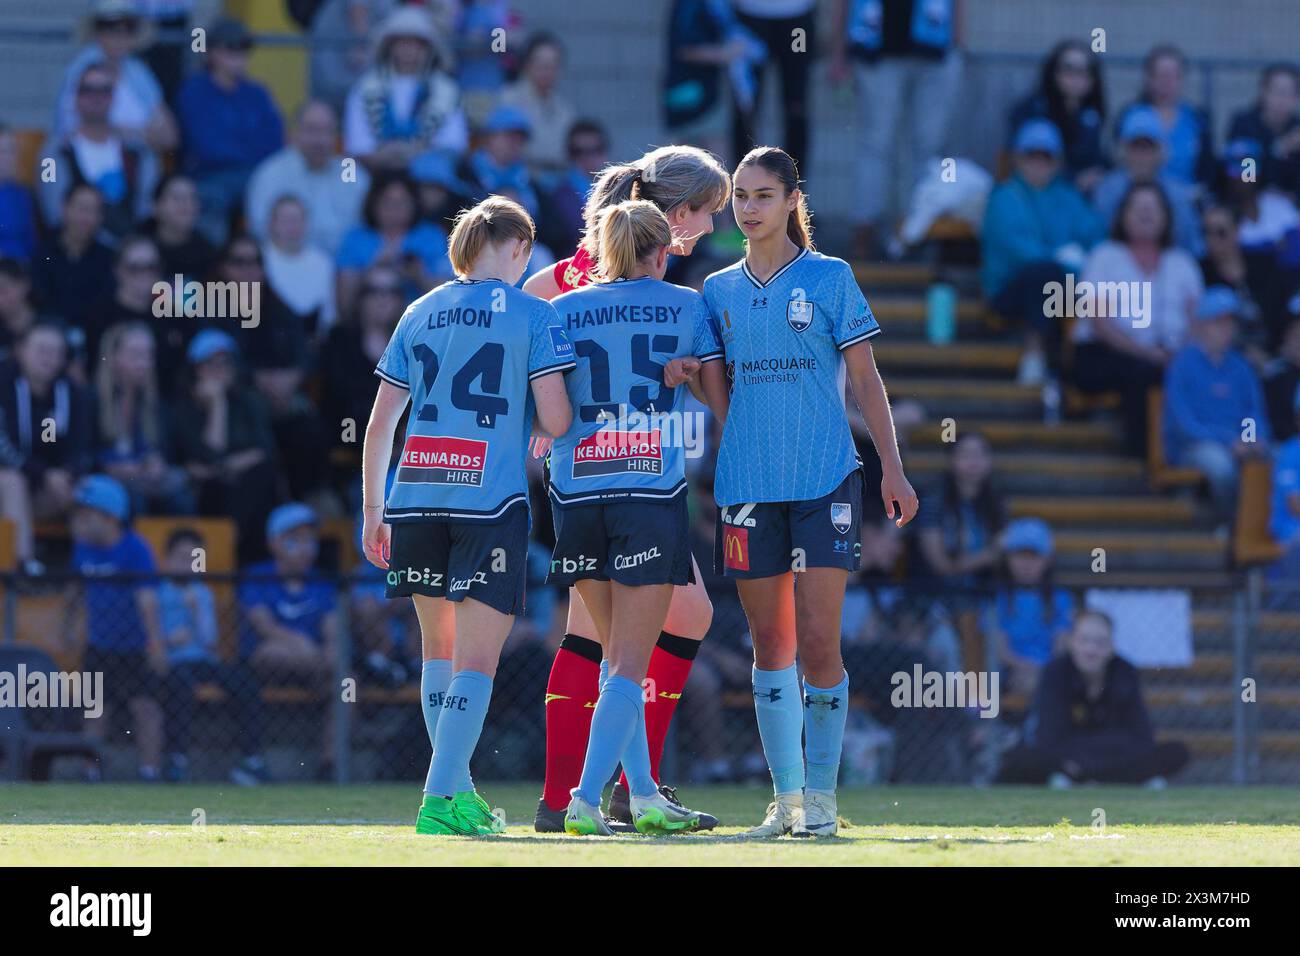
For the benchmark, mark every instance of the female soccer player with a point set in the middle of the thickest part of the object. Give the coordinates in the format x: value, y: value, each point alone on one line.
x: 789, y: 484
x: 618, y: 488
x: 469, y: 354
x: 689, y: 186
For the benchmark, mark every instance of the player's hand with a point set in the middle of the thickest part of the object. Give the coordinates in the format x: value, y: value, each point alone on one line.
x: 540, y: 445
x: 899, y: 498
x: 679, y: 370
x: 376, y: 540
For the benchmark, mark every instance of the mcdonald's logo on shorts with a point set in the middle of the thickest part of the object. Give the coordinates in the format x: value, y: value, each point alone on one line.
x: 735, y: 548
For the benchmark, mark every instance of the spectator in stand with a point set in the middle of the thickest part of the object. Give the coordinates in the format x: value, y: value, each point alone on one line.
x: 776, y: 24
x: 1282, y: 378
x: 1126, y: 343
x: 137, y: 268
x: 391, y: 235
x: 958, y: 535
x: 905, y: 68
x: 536, y: 95
x: 1268, y: 221
x: 300, y: 274
x: 311, y: 169
x: 407, y: 102
x: 442, y: 192
x: 221, y: 435
x: 351, y: 351
x: 123, y: 169
x: 339, y: 45
x: 184, y: 250
x: 49, y: 419
x: 1029, y: 616
x: 565, y: 194
x: 1284, y: 515
x: 497, y: 167
x: 1089, y: 723
x: 481, y: 73
x: 1070, y: 94
x: 1188, y: 138
x: 1036, y: 228
x: 123, y: 637
x: 188, y: 621
x: 136, y: 108
x: 17, y: 314
x: 73, y: 270
x: 229, y: 124
x: 291, y: 627
x: 132, y: 437
x: 17, y: 211
x: 1142, y: 158
x: 1214, y: 413
x: 1256, y: 278
x: 1274, y: 123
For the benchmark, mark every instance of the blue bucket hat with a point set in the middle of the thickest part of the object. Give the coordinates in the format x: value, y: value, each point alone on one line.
x: 1216, y: 301
x: 508, y: 118
x: 1142, y: 123
x: 105, y: 494
x: 1039, y: 136
x: 1028, y: 534
x: 286, y: 518
x: 208, y: 343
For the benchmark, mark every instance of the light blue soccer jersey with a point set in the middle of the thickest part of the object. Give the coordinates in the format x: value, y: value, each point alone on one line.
x: 467, y: 351
x: 787, y: 436
x: 628, y: 434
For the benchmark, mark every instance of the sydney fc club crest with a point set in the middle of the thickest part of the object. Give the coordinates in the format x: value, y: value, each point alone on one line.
x: 841, y: 516
x: 799, y: 313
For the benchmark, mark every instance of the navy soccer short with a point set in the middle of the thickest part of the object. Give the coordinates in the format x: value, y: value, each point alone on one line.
x: 769, y: 538
x: 632, y: 542
x: 459, y: 559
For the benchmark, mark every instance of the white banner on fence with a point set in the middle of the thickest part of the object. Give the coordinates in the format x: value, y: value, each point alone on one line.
x: 1153, y: 628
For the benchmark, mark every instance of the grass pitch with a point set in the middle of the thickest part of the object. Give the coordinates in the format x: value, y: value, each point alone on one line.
x: 374, y: 824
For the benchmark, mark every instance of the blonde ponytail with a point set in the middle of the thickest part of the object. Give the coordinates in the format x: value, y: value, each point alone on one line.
x: 627, y: 234
x: 493, y: 221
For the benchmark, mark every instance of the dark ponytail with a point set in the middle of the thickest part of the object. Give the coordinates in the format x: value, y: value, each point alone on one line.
x: 782, y: 166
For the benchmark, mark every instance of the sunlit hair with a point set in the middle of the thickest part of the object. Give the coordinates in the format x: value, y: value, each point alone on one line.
x: 782, y: 166
x: 493, y: 221
x: 112, y: 426
x: 627, y: 234
x: 669, y: 176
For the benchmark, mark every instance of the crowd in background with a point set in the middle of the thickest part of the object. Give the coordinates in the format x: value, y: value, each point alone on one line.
x: 177, y: 168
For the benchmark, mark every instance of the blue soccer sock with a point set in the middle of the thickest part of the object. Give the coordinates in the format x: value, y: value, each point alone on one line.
x: 636, y: 759
x: 465, y: 706
x: 825, y: 714
x: 779, y: 707
x: 435, y: 675
x: 618, y: 712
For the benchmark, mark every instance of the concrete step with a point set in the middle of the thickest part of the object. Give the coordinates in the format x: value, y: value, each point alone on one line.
x: 1073, y: 437
x: 904, y: 316
x: 985, y: 397
x: 1038, y: 472
x: 990, y: 359
x: 1142, y: 550
x: 1133, y: 511
x: 892, y: 275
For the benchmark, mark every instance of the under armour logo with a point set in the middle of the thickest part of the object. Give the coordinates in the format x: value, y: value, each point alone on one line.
x: 833, y: 702
x: 772, y: 695
x: 760, y: 302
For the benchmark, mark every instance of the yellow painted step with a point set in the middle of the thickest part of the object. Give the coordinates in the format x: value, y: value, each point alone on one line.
x: 1102, y: 509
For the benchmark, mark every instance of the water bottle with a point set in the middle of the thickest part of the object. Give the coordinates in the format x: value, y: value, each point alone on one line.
x: 1051, y: 403
x: 941, y: 313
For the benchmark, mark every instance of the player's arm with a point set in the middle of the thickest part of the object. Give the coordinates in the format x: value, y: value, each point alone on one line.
x: 869, y: 390
x: 542, y: 284
x: 712, y: 381
x: 554, y: 413
x: 390, y: 402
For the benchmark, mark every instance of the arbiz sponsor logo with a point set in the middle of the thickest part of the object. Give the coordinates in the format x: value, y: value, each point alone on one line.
x: 624, y: 561
x: 735, y: 548
x: 414, y: 576
x: 567, y: 565
x: 612, y: 452
x: 428, y: 459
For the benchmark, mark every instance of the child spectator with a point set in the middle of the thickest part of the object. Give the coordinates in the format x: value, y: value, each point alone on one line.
x: 958, y: 534
x: 188, y: 619
x: 1036, y: 227
x: 1128, y: 352
x: 536, y: 95
x: 229, y: 124
x: 1143, y: 153
x: 49, y: 419
x: 339, y: 42
x: 1070, y: 94
x: 72, y: 274
x: 310, y: 168
x: 407, y: 102
x: 1089, y: 723
x: 137, y: 108
x: 1189, y: 147
x: 392, y: 235
x: 17, y: 211
x: 122, y: 168
x: 300, y: 274
x: 498, y: 167
x: 1214, y: 413
x: 131, y: 425
x: 174, y: 229
x: 124, y: 639
x: 1274, y: 123
x: 1029, y: 616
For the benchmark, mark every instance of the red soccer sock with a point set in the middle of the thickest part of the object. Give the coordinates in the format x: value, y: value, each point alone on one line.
x: 571, y: 694
x: 670, y: 665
